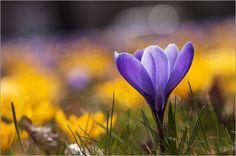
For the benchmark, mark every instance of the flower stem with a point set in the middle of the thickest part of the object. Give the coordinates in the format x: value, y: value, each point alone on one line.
x: 159, y: 119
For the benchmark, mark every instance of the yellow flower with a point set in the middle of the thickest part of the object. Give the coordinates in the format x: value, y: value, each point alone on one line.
x: 10, y: 92
x: 126, y: 95
x: 205, y: 68
x: 87, y: 125
x: 8, y: 134
x: 37, y: 83
x: 32, y: 93
x: 41, y: 113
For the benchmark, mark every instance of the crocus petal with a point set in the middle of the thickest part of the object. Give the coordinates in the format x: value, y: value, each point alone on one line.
x: 172, y: 53
x: 116, y: 54
x: 181, y: 67
x: 138, y: 54
x: 156, y: 63
x: 134, y: 72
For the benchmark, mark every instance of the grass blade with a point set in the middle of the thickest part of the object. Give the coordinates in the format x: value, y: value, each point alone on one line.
x: 107, y: 134
x: 172, y: 134
x: 84, y: 144
x: 16, y: 126
x: 76, y: 138
x: 151, y: 133
x: 112, y: 113
x: 182, y: 141
x: 73, y: 134
x: 194, y: 131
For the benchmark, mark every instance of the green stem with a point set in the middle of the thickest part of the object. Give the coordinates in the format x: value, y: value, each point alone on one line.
x: 159, y: 120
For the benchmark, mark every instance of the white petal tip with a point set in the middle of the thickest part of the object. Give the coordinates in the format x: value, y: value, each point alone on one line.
x: 171, y: 45
x: 116, y: 54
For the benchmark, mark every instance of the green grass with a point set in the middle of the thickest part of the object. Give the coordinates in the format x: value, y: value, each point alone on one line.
x: 17, y: 127
x: 189, y: 128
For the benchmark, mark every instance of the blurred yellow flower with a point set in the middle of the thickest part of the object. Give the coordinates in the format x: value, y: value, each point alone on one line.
x: 126, y: 96
x: 32, y: 93
x: 87, y: 125
x: 10, y: 92
x: 37, y: 83
x: 8, y: 134
x: 41, y: 113
x: 206, y: 67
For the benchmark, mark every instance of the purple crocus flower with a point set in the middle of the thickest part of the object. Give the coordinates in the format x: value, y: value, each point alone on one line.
x: 154, y: 72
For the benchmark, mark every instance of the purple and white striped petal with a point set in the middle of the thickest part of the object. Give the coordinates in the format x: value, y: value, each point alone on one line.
x: 156, y: 63
x: 181, y: 67
x: 172, y: 53
x: 134, y: 72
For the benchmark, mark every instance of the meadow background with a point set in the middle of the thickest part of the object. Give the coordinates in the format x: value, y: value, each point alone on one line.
x: 58, y: 71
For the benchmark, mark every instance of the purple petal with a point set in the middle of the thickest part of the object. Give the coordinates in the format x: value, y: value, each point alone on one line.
x: 172, y: 53
x: 134, y: 72
x: 138, y: 54
x: 181, y: 67
x: 156, y: 63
